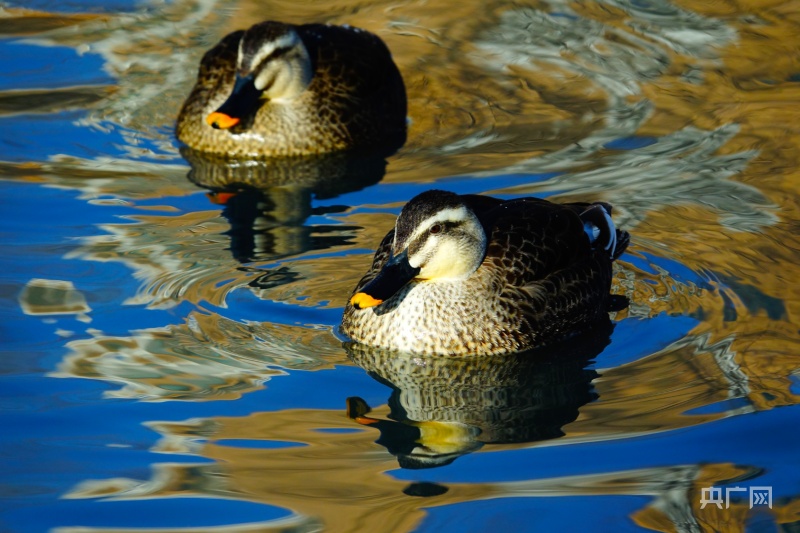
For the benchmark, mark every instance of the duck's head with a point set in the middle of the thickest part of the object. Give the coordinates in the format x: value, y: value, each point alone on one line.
x: 436, y: 237
x: 272, y: 63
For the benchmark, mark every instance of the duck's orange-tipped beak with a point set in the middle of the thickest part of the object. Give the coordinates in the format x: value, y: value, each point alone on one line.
x: 357, y: 410
x: 221, y: 121
x: 392, y: 277
x: 220, y: 198
x: 362, y: 300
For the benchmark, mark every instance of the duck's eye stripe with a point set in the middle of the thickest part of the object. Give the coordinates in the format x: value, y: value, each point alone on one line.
x: 274, y: 54
x: 448, y: 225
x: 278, y: 52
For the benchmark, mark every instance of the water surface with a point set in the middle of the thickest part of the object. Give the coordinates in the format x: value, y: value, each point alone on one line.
x: 170, y: 358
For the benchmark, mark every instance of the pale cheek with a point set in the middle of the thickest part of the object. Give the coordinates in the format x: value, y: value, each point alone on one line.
x: 264, y: 79
x: 447, y: 262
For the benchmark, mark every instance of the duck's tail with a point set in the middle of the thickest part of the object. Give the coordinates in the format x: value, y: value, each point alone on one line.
x: 601, y: 230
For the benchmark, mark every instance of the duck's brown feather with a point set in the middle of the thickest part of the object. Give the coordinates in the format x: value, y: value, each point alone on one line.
x: 356, y: 99
x: 540, y: 280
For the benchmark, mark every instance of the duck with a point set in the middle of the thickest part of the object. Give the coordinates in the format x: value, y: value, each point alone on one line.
x: 478, y: 275
x: 283, y: 90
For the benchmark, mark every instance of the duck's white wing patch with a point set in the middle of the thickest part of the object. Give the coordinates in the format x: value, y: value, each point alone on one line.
x: 600, y: 228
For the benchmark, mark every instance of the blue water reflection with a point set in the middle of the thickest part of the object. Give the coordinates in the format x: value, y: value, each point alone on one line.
x: 21, y: 138
x: 26, y: 67
x: 77, y: 6
x: 157, y: 373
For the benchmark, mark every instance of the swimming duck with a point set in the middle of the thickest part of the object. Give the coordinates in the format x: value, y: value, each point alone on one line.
x: 283, y: 90
x: 476, y: 275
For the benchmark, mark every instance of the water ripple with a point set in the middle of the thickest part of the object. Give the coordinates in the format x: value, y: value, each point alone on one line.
x: 207, y: 358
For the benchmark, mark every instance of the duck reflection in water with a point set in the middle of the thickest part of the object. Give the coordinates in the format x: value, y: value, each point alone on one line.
x: 444, y: 407
x: 267, y: 201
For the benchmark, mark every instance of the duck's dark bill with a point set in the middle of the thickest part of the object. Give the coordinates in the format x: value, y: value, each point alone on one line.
x: 357, y: 410
x: 242, y: 102
x: 394, y: 274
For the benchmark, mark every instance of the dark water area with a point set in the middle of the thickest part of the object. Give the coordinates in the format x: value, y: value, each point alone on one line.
x: 170, y: 357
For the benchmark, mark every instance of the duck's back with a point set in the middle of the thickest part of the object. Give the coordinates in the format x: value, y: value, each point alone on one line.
x: 356, y: 83
x: 356, y: 99
x: 551, y: 280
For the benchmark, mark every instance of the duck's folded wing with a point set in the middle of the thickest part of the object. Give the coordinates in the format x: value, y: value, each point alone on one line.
x: 367, y: 78
x: 548, y: 269
x: 530, y: 239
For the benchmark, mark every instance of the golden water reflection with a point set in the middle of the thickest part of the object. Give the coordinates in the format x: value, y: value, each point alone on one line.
x: 313, y: 466
x: 53, y: 297
x: 713, y: 86
x: 207, y: 358
x: 353, y: 485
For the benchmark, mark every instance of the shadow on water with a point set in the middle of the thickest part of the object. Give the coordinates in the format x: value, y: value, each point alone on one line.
x: 444, y: 407
x: 267, y: 201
